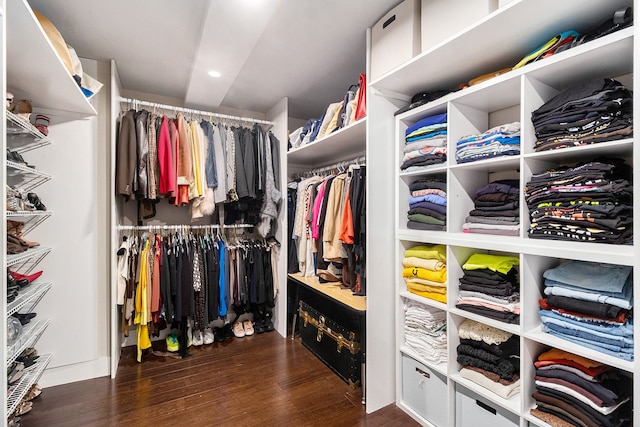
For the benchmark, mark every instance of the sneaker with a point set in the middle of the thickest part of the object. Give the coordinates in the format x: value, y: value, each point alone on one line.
x: 189, y: 335
x: 208, y: 336
x: 248, y: 327
x: 268, y: 325
x: 218, y: 335
x: 172, y: 343
x: 198, y: 338
x: 259, y: 326
x: 238, y: 330
x: 228, y: 332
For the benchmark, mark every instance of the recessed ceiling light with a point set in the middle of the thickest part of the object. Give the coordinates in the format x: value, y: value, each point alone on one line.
x: 214, y: 73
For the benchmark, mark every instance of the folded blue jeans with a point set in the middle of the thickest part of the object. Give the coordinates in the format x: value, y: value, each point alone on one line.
x: 625, y: 330
x: 625, y: 303
x: 605, y: 278
x: 624, y: 355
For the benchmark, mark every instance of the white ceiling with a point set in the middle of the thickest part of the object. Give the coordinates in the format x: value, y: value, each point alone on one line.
x: 307, y: 50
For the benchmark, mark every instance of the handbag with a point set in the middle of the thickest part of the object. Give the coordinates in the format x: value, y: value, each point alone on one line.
x: 361, y: 109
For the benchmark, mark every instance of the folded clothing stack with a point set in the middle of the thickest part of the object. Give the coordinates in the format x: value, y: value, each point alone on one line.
x: 589, y: 202
x: 582, y: 392
x: 428, y: 205
x: 489, y: 357
x: 425, y: 331
x: 590, y: 304
x: 425, y: 271
x: 503, y: 140
x: 589, y: 112
x: 496, y: 209
x: 489, y: 287
x: 426, y: 143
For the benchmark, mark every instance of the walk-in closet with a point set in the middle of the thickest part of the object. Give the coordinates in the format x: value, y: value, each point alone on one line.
x: 389, y: 213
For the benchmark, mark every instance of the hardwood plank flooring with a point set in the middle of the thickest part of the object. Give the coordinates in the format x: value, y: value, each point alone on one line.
x: 262, y: 380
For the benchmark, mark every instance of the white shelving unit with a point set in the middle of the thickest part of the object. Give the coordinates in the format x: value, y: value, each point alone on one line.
x: 513, y: 96
x: 31, y: 70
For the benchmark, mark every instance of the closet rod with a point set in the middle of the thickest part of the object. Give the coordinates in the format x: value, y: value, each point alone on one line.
x: 343, y: 164
x: 180, y: 227
x: 192, y: 111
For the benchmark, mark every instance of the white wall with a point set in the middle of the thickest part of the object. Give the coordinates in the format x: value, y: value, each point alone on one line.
x: 77, y: 304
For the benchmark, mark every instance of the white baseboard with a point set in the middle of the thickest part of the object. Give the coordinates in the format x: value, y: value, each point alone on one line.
x: 76, y: 372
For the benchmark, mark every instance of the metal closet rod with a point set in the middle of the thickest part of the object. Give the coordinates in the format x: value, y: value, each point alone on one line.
x: 343, y: 164
x: 181, y: 227
x: 192, y: 111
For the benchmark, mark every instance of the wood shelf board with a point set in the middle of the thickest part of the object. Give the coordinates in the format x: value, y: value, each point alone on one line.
x: 333, y: 291
x: 36, y: 72
x: 484, y: 49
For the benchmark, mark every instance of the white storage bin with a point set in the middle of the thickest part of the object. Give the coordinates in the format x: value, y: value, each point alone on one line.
x: 424, y: 391
x: 474, y: 411
x: 395, y: 38
x: 443, y: 18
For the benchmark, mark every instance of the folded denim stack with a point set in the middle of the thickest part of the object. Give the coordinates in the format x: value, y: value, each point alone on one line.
x: 582, y: 392
x: 425, y: 271
x: 503, y: 140
x: 496, y: 209
x: 489, y: 357
x: 425, y: 331
x: 428, y: 205
x: 489, y: 287
x: 590, y: 304
x: 590, y: 202
x: 426, y: 143
x: 589, y: 112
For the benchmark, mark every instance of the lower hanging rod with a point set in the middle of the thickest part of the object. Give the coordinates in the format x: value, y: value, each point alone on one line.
x: 181, y: 227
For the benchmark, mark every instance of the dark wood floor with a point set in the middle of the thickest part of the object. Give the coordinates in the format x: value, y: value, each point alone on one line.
x: 263, y: 380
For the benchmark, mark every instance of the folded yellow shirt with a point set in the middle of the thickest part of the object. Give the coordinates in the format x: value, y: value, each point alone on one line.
x: 422, y: 273
x: 427, y: 282
x: 427, y: 252
x: 431, y: 295
x: 429, y: 264
x: 501, y: 264
x: 417, y: 286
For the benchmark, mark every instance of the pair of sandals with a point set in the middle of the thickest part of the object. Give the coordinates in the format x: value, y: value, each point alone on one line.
x: 26, y: 405
x: 18, y: 201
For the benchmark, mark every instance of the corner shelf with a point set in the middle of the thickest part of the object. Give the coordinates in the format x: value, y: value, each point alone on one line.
x: 31, y: 332
x: 31, y: 257
x: 31, y: 376
x: 37, y: 72
x: 29, y: 297
x: 31, y: 219
x: 27, y: 178
x: 343, y: 144
x: 23, y: 136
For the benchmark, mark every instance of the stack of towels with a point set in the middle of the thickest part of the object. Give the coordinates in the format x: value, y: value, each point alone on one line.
x: 425, y: 331
x: 503, y: 140
x: 490, y: 358
x: 590, y: 304
x: 489, y: 287
x: 574, y: 391
x: 426, y: 143
x: 496, y: 209
x: 425, y: 271
x: 428, y: 205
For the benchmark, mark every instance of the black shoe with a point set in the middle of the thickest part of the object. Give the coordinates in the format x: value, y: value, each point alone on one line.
x: 24, y: 318
x: 259, y: 326
x: 228, y: 331
x: 12, y: 283
x: 218, y: 334
x: 33, y: 198
x: 268, y: 325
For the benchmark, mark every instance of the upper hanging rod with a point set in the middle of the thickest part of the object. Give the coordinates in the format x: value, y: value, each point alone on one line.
x: 343, y: 164
x: 192, y: 111
x: 181, y: 227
